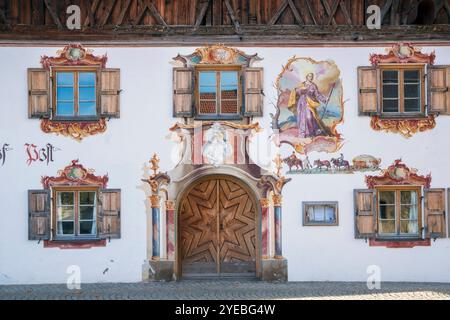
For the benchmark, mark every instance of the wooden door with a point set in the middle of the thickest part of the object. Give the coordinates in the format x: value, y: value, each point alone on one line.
x: 218, y: 229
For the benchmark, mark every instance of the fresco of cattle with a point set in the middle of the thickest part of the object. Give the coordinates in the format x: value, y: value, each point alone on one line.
x: 334, y: 165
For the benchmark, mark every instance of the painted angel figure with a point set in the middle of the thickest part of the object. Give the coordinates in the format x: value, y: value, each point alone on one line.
x: 306, y: 98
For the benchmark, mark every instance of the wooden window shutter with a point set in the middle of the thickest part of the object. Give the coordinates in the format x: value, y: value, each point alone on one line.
x: 253, y: 92
x: 183, y: 92
x: 368, y: 91
x: 434, y: 213
x: 109, y: 214
x: 365, y: 213
x: 39, y: 214
x: 38, y: 93
x: 110, y: 93
x: 438, y: 90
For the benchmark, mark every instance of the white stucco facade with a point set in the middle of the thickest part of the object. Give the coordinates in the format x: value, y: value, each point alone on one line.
x: 123, y: 151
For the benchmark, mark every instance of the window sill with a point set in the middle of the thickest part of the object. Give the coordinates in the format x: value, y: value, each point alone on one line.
x: 320, y: 224
x: 403, y: 116
x: 218, y: 118
x: 76, y: 119
x: 399, y: 242
x: 74, y: 243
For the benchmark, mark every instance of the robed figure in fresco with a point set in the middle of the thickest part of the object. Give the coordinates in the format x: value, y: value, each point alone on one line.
x: 306, y: 98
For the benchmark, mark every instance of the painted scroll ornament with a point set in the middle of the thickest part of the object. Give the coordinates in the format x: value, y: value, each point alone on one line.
x: 398, y: 174
x: 406, y: 127
x: 73, y: 129
x: 403, y: 53
x: 75, y: 175
x: 217, y: 54
x: 74, y: 55
x: 309, y: 106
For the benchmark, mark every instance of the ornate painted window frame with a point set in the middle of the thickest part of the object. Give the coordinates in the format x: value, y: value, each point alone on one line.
x: 74, y: 56
x: 402, y: 54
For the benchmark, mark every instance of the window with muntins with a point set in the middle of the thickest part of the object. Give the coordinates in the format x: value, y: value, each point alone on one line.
x: 218, y: 93
x: 399, y: 212
x: 76, y: 213
x: 75, y: 93
x: 402, y: 90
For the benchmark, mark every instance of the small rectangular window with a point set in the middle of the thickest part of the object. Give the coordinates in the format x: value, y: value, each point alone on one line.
x: 398, y: 212
x: 320, y: 213
x: 76, y: 213
x: 402, y: 90
x: 218, y: 93
x: 75, y: 93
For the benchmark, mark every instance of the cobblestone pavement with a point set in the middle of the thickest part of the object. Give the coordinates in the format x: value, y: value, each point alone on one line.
x: 228, y: 290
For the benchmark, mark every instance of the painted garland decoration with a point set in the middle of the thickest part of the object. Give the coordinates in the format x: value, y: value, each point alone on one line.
x: 75, y: 175
x: 398, y: 174
x: 403, y: 53
x: 74, y: 55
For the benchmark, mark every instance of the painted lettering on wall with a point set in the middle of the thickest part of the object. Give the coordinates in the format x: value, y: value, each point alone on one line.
x: 3, y: 152
x: 44, y: 154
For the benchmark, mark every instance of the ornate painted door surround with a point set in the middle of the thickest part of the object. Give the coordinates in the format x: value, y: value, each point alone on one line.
x: 197, y: 164
x: 214, y: 143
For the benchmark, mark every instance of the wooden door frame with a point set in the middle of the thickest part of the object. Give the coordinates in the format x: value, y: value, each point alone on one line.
x: 251, y: 193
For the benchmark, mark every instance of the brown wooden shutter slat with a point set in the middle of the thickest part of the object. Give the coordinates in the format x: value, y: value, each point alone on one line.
x: 448, y: 206
x: 434, y: 213
x: 438, y: 90
x: 183, y: 92
x: 110, y: 93
x: 38, y: 214
x: 365, y: 213
x: 253, y: 92
x: 368, y: 91
x: 38, y: 93
x: 109, y: 214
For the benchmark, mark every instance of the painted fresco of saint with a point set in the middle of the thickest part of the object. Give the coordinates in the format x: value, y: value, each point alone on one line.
x: 310, y: 105
x: 305, y: 99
